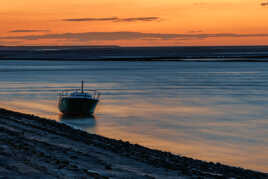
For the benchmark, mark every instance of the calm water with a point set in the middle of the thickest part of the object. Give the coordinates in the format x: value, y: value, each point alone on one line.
x: 212, y: 111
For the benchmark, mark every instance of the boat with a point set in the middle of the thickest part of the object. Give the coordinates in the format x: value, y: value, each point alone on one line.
x: 78, y: 102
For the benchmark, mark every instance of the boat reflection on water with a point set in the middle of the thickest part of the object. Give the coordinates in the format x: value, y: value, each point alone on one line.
x: 84, y: 122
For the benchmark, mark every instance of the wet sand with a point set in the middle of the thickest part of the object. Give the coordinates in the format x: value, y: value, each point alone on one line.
x: 35, y: 147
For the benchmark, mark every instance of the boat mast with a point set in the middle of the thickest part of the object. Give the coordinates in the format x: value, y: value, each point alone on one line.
x: 82, y: 87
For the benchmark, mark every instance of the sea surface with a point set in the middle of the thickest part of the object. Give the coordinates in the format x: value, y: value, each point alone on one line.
x: 214, y: 111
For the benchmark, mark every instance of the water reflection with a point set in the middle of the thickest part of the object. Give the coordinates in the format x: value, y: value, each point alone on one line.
x: 210, y: 111
x: 84, y: 122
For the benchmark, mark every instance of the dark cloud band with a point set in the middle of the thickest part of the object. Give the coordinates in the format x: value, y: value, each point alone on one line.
x: 114, y: 19
x: 111, y: 36
x: 139, y: 19
x: 24, y: 30
x: 264, y: 4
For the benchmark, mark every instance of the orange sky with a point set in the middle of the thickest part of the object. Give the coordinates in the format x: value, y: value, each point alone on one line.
x: 150, y: 18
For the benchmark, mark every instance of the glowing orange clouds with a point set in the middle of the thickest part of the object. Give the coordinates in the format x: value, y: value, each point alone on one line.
x: 23, y: 19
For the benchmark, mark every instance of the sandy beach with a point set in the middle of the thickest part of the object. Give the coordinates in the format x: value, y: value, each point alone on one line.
x: 41, y: 148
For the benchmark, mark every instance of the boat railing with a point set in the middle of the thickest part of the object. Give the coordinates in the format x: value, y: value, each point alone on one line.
x: 66, y: 93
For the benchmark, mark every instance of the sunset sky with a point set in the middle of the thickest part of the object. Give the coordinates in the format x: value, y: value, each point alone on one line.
x: 134, y: 22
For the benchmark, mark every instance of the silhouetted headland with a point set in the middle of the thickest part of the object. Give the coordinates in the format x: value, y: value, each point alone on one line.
x: 37, y: 147
x: 117, y: 53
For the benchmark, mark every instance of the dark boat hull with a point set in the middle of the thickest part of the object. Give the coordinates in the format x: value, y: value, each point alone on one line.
x: 77, y: 106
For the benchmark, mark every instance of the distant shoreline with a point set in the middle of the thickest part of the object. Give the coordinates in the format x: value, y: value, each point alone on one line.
x: 48, y: 148
x: 117, y: 53
x: 119, y: 46
x: 152, y: 59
